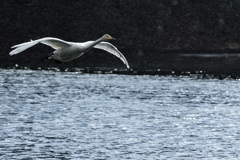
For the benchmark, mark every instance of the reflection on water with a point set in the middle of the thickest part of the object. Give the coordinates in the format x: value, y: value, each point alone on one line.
x: 67, y: 115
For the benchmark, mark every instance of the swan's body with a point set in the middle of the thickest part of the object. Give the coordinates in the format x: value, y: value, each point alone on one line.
x: 67, y: 51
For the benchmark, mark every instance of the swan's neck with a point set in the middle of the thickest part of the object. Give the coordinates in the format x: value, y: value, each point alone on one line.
x: 96, y: 42
x: 90, y: 44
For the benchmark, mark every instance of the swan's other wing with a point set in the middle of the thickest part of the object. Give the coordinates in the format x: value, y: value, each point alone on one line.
x: 113, y: 50
x: 55, y: 43
x: 52, y: 42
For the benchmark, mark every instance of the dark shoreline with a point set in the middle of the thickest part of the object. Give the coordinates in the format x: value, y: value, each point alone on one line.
x: 207, y: 63
x: 158, y: 72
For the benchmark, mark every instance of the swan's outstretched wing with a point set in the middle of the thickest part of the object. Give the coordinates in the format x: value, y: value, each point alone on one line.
x: 113, y: 50
x: 55, y: 43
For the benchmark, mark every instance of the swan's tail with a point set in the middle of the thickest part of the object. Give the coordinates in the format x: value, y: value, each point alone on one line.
x: 22, y: 47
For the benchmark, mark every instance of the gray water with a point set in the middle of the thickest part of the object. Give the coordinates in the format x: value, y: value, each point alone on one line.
x: 65, y: 115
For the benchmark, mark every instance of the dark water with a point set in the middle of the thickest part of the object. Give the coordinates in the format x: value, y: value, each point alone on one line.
x: 66, y: 115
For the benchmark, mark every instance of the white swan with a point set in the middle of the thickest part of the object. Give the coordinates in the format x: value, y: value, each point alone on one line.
x: 67, y: 51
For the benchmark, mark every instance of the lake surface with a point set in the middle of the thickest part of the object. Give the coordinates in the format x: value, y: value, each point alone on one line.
x: 69, y: 115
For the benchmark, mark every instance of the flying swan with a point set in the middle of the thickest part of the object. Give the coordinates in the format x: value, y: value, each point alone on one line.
x: 67, y: 51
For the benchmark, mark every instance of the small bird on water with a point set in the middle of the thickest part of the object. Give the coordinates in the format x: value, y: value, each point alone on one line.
x: 67, y: 51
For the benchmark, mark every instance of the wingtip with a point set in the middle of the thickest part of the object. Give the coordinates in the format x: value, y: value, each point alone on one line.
x: 13, y: 52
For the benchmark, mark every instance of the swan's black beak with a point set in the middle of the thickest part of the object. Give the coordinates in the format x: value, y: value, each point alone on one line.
x: 113, y: 38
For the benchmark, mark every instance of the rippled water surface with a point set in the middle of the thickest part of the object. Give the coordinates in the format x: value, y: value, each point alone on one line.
x: 66, y: 115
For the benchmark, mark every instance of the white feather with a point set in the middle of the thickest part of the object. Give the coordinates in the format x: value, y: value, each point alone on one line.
x: 111, y: 49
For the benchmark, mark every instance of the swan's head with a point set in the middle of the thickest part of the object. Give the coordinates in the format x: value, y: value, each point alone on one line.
x: 107, y: 37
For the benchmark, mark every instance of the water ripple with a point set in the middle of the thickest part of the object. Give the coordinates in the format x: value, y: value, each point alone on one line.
x: 67, y: 115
